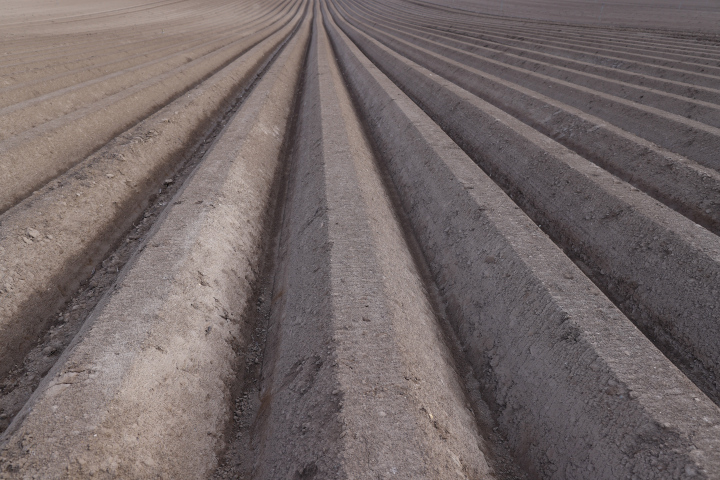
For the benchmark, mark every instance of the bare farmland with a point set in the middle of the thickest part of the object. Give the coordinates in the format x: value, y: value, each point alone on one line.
x: 358, y: 239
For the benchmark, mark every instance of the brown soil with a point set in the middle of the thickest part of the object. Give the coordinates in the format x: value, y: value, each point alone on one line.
x: 341, y: 239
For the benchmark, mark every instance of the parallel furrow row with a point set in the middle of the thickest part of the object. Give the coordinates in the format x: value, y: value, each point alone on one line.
x: 103, y: 195
x: 61, y: 142
x: 656, y: 265
x: 410, y: 241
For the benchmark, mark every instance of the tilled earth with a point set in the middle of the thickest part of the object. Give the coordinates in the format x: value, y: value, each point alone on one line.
x: 358, y: 239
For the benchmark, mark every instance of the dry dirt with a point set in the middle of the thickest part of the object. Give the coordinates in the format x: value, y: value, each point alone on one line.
x: 321, y: 239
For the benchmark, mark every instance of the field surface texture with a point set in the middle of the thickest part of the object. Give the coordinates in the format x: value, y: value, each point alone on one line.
x: 359, y: 239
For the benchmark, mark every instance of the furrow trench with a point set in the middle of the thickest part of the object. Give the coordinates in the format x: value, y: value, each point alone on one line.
x: 356, y: 362
x: 342, y: 239
x: 136, y: 370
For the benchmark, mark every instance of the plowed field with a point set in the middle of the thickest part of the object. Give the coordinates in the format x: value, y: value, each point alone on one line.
x: 325, y: 239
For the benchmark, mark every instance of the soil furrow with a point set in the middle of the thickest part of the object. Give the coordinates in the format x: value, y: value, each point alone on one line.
x: 356, y: 363
x: 101, y: 197
x: 663, y: 71
x: 595, y: 46
x: 63, y: 142
x: 532, y: 323
x: 661, y: 269
x: 130, y: 358
x: 43, y: 108
x: 678, y: 182
x: 517, y: 31
x: 667, y: 130
x: 89, y: 69
x: 605, y: 79
x: 343, y: 239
